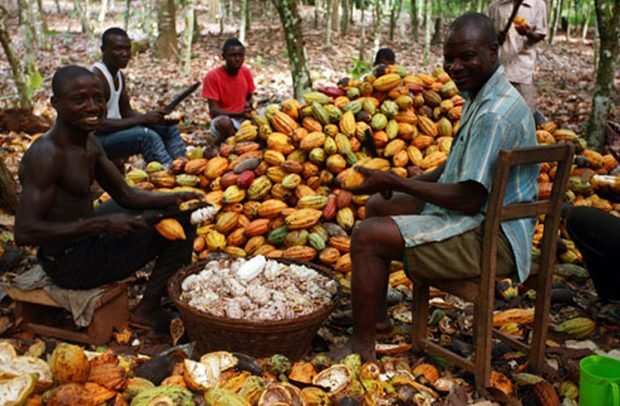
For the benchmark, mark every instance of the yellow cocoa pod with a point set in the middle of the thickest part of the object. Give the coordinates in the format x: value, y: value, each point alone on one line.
x: 329, y: 255
x: 215, y: 241
x: 216, y: 167
x: 291, y: 181
x: 170, y: 229
x: 427, y: 126
x: 415, y: 155
x: 434, y: 159
x: 299, y: 252
x: 254, y: 244
x: 303, y: 218
x: 233, y: 194
x: 312, y: 202
x: 386, y: 82
x: 393, y: 147
x: 226, y: 221
x: 343, y: 265
x: 400, y: 159
x: 347, y: 124
x: 345, y: 218
x: 314, y: 139
x: 234, y: 251
x: 271, y: 208
x: 273, y: 157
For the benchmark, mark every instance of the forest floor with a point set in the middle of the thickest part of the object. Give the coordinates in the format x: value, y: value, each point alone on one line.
x: 565, y: 77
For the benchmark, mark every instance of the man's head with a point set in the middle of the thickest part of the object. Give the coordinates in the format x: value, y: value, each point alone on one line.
x: 385, y: 56
x: 470, y: 51
x: 233, y: 53
x: 78, y: 97
x: 116, y: 48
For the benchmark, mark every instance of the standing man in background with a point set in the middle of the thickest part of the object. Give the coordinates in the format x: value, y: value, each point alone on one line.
x: 518, y: 46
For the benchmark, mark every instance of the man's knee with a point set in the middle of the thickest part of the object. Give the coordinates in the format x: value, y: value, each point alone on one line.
x: 374, y: 205
x: 223, y: 127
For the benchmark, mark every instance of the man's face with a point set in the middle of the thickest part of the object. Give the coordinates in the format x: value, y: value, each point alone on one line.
x: 81, y: 103
x: 469, y: 59
x: 116, y: 51
x: 234, y: 57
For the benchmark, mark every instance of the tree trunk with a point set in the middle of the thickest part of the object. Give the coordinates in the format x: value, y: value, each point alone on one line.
x: 415, y: 23
x: 585, y: 14
x: 222, y: 15
x: 8, y: 189
x: 188, y: 36
x: 248, y: 17
x: 41, y: 17
x: 127, y: 8
x: 394, y: 15
x: 608, y: 21
x: 344, y: 18
x: 243, y: 19
x: 317, y: 12
x: 293, y: 35
x: 428, y: 18
x: 568, y: 23
x: 103, y: 10
x: 557, y: 16
x: 167, y: 36
x: 335, y: 14
x: 378, y: 24
x: 436, y: 40
x: 15, y: 63
x: 328, y: 23
x: 57, y: 3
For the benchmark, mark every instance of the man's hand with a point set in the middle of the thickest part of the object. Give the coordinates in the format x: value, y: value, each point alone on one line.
x: 375, y: 182
x: 121, y: 224
x: 524, y: 30
x: 185, y: 196
x: 154, y: 117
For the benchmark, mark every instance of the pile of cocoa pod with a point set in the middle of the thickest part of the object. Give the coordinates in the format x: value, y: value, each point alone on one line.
x: 279, y: 180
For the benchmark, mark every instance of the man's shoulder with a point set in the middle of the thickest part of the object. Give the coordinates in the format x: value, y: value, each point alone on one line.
x: 215, y: 72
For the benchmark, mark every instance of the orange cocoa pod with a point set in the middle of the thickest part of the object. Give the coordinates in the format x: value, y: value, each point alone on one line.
x: 329, y: 211
x: 343, y: 198
x: 236, y: 238
x: 342, y: 244
x: 257, y: 227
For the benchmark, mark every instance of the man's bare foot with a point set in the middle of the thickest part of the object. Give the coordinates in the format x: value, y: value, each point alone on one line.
x: 158, y: 319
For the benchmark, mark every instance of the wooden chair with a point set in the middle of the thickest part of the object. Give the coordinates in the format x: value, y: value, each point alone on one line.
x: 480, y: 291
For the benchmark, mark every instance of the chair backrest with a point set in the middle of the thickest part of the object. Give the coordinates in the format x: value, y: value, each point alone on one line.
x: 551, y: 207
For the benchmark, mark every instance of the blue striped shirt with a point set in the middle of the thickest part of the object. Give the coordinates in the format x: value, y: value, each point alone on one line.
x: 497, y: 118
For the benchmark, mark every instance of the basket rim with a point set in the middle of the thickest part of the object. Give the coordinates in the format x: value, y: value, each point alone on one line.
x: 174, y: 288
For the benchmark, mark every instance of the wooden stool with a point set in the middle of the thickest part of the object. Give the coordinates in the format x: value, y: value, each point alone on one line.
x: 35, y: 308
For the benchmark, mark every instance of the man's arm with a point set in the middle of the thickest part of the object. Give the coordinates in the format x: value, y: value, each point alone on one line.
x: 129, y: 117
x: 467, y: 197
x: 40, y: 172
x: 108, y: 176
x: 216, y: 110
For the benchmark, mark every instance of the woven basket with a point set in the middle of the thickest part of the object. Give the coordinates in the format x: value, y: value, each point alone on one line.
x: 257, y: 338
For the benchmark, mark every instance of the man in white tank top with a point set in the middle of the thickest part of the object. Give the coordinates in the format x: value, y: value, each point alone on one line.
x: 125, y: 132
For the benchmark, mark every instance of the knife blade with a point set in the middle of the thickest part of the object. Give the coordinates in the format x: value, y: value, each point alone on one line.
x: 182, y: 96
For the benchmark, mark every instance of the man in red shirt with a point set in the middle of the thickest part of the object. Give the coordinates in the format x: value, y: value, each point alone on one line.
x: 229, y: 89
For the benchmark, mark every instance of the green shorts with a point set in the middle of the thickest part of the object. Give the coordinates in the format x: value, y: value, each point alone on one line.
x: 458, y: 257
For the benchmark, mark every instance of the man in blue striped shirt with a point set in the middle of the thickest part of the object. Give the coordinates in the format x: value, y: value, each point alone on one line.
x: 434, y: 221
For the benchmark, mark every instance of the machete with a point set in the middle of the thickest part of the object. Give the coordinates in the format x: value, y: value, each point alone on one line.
x: 515, y: 9
x: 182, y: 96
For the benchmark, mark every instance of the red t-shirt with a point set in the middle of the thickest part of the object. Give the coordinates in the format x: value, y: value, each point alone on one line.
x: 230, y: 91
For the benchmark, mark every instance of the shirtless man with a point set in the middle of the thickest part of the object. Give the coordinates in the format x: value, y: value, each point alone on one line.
x: 80, y: 247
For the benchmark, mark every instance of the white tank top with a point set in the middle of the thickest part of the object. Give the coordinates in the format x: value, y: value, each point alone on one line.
x: 113, y: 104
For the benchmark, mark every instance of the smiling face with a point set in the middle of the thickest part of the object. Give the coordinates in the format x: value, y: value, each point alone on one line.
x: 80, y: 102
x: 470, y: 58
x: 234, y: 58
x: 116, y: 51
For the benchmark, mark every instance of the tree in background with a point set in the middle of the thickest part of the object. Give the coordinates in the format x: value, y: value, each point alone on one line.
x: 608, y: 22
x: 295, y: 46
x: 167, y: 35
x: 25, y: 102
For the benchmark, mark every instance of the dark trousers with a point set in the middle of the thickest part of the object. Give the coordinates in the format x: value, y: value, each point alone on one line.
x: 105, y: 258
x: 597, y: 235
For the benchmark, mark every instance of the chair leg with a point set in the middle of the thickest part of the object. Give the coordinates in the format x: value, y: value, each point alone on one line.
x: 541, y: 325
x: 420, y: 313
x: 483, y: 332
